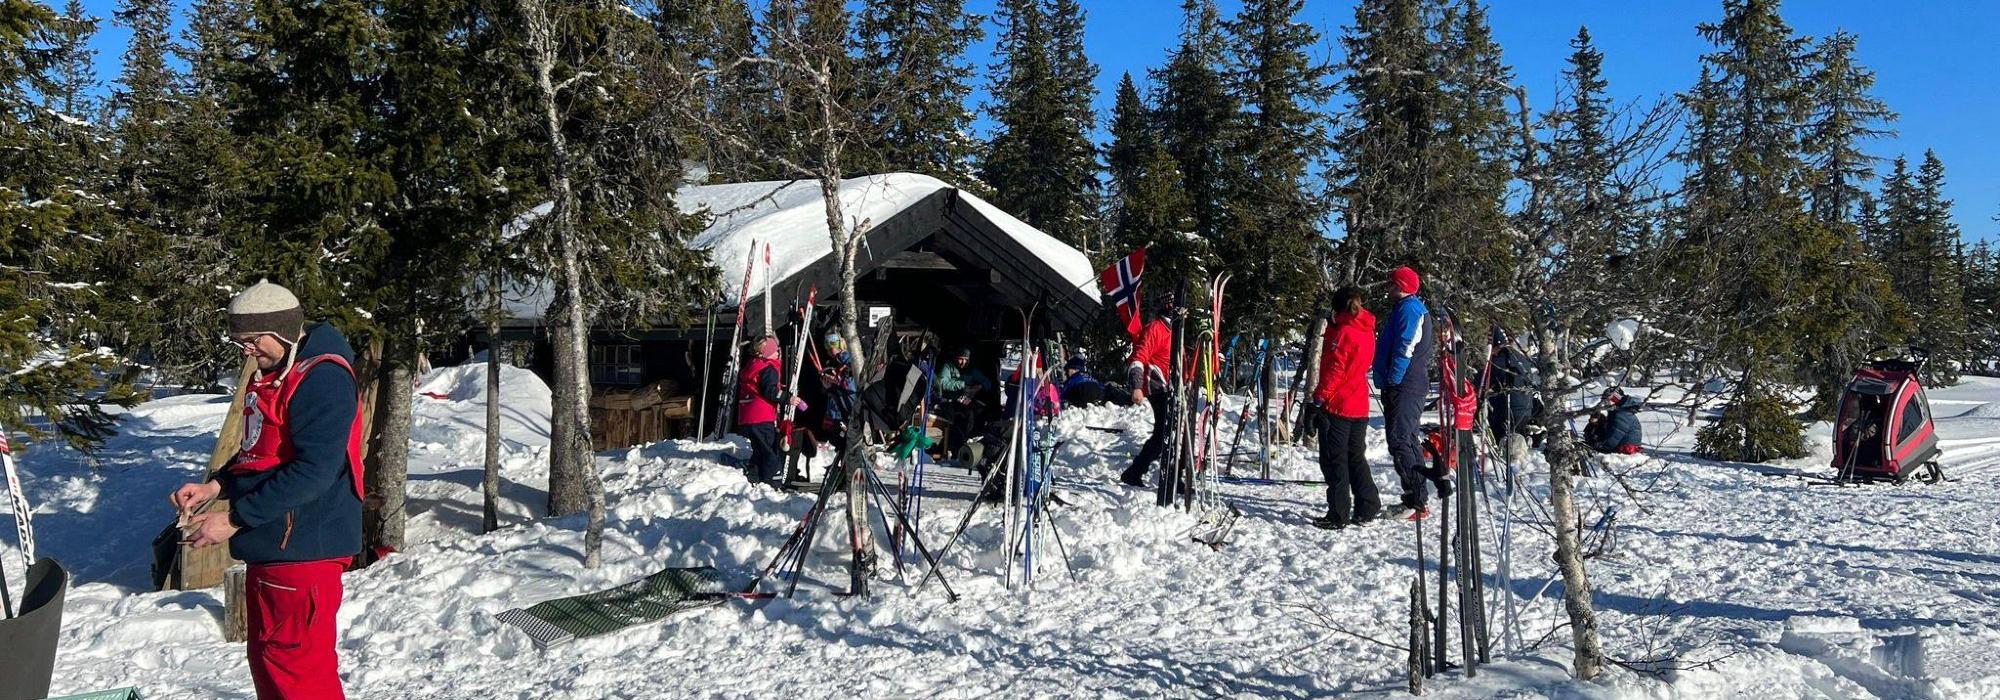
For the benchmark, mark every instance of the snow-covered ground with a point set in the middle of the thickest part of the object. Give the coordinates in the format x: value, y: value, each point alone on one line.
x: 1759, y: 582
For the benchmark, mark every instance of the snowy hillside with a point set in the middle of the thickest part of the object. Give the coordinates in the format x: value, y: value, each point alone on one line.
x: 1760, y: 583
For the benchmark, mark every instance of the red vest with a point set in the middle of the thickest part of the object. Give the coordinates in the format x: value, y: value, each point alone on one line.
x: 751, y: 407
x: 267, y: 439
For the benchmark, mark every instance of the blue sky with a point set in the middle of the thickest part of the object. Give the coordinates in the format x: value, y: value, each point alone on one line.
x: 1932, y: 60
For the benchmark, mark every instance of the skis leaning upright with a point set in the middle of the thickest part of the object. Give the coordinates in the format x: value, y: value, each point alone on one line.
x: 800, y: 349
x: 726, y: 399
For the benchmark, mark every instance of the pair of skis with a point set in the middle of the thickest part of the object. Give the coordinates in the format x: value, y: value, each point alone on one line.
x: 1218, y: 517
x: 726, y: 399
x: 1456, y: 397
x: 802, y: 346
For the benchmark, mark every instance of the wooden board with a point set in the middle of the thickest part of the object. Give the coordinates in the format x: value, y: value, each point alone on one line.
x: 202, y: 568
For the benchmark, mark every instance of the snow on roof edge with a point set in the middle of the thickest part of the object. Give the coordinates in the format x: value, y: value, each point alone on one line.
x: 790, y: 216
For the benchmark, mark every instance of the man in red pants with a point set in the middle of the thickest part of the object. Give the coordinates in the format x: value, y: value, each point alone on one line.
x: 294, y: 489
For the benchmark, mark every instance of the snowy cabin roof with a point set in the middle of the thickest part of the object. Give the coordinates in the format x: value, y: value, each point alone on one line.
x: 899, y: 210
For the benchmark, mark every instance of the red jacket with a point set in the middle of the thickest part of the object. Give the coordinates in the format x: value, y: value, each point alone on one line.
x: 757, y: 392
x: 1152, y: 352
x: 1348, y: 350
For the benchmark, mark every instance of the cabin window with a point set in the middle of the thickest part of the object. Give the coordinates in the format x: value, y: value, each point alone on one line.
x: 1913, y: 418
x: 615, y: 365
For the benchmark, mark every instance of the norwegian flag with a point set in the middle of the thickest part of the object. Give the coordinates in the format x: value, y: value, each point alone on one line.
x: 1120, y: 284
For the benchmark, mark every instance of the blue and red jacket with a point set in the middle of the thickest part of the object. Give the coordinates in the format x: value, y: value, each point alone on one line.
x: 1403, y: 348
x: 296, y: 493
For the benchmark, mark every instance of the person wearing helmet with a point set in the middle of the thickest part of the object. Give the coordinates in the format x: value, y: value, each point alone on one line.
x: 759, y: 393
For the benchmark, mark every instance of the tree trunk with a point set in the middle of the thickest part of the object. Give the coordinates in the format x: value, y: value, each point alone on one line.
x: 573, y: 480
x: 1564, y: 457
x: 389, y: 458
x: 850, y: 330
x: 489, y: 486
x: 566, y: 494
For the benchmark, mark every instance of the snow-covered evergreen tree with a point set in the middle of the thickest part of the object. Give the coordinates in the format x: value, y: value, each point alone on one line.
x: 47, y: 207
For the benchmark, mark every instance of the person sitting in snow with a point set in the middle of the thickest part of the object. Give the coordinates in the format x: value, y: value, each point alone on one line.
x: 1079, y: 388
x: 759, y: 393
x: 294, y: 489
x: 1614, y: 426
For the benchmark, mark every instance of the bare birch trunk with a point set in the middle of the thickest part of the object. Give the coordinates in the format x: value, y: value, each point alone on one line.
x: 572, y: 466
x: 1564, y: 455
x: 850, y: 330
x: 1564, y: 458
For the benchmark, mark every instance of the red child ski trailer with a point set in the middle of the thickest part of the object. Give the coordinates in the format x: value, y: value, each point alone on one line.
x: 1884, y: 430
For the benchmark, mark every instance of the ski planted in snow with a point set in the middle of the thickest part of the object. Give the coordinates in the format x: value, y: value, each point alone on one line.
x: 726, y: 406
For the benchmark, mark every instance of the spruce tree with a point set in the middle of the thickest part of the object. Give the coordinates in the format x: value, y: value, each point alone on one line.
x: 1841, y: 116
x: 72, y: 75
x: 1040, y: 162
x: 1198, y: 118
x: 787, y: 27
x: 1923, y: 257
x: 1132, y: 137
x: 1981, y: 298
x: 47, y: 331
x: 1469, y: 255
x: 1600, y: 214
x: 1768, y: 260
x: 713, y: 42
x: 170, y: 266
x: 1384, y: 146
x: 916, y: 79
x: 1074, y: 155
x: 1277, y: 209
x: 1149, y: 207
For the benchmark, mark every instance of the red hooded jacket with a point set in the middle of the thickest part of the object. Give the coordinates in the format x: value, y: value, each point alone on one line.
x: 1348, y: 351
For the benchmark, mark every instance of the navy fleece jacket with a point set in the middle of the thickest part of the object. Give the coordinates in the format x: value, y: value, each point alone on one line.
x: 305, y: 509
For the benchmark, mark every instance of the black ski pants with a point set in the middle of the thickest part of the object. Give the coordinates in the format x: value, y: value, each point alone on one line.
x: 766, y: 460
x: 1155, y: 445
x: 1343, y: 460
x: 1402, y: 410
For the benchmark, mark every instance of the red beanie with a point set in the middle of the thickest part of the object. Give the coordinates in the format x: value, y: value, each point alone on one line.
x: 1405, y: 280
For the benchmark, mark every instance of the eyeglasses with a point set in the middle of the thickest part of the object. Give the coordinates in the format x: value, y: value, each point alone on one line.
x: 249, y: 343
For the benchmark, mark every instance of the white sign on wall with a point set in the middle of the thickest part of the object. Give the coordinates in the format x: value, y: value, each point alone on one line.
x: 876, y: 314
